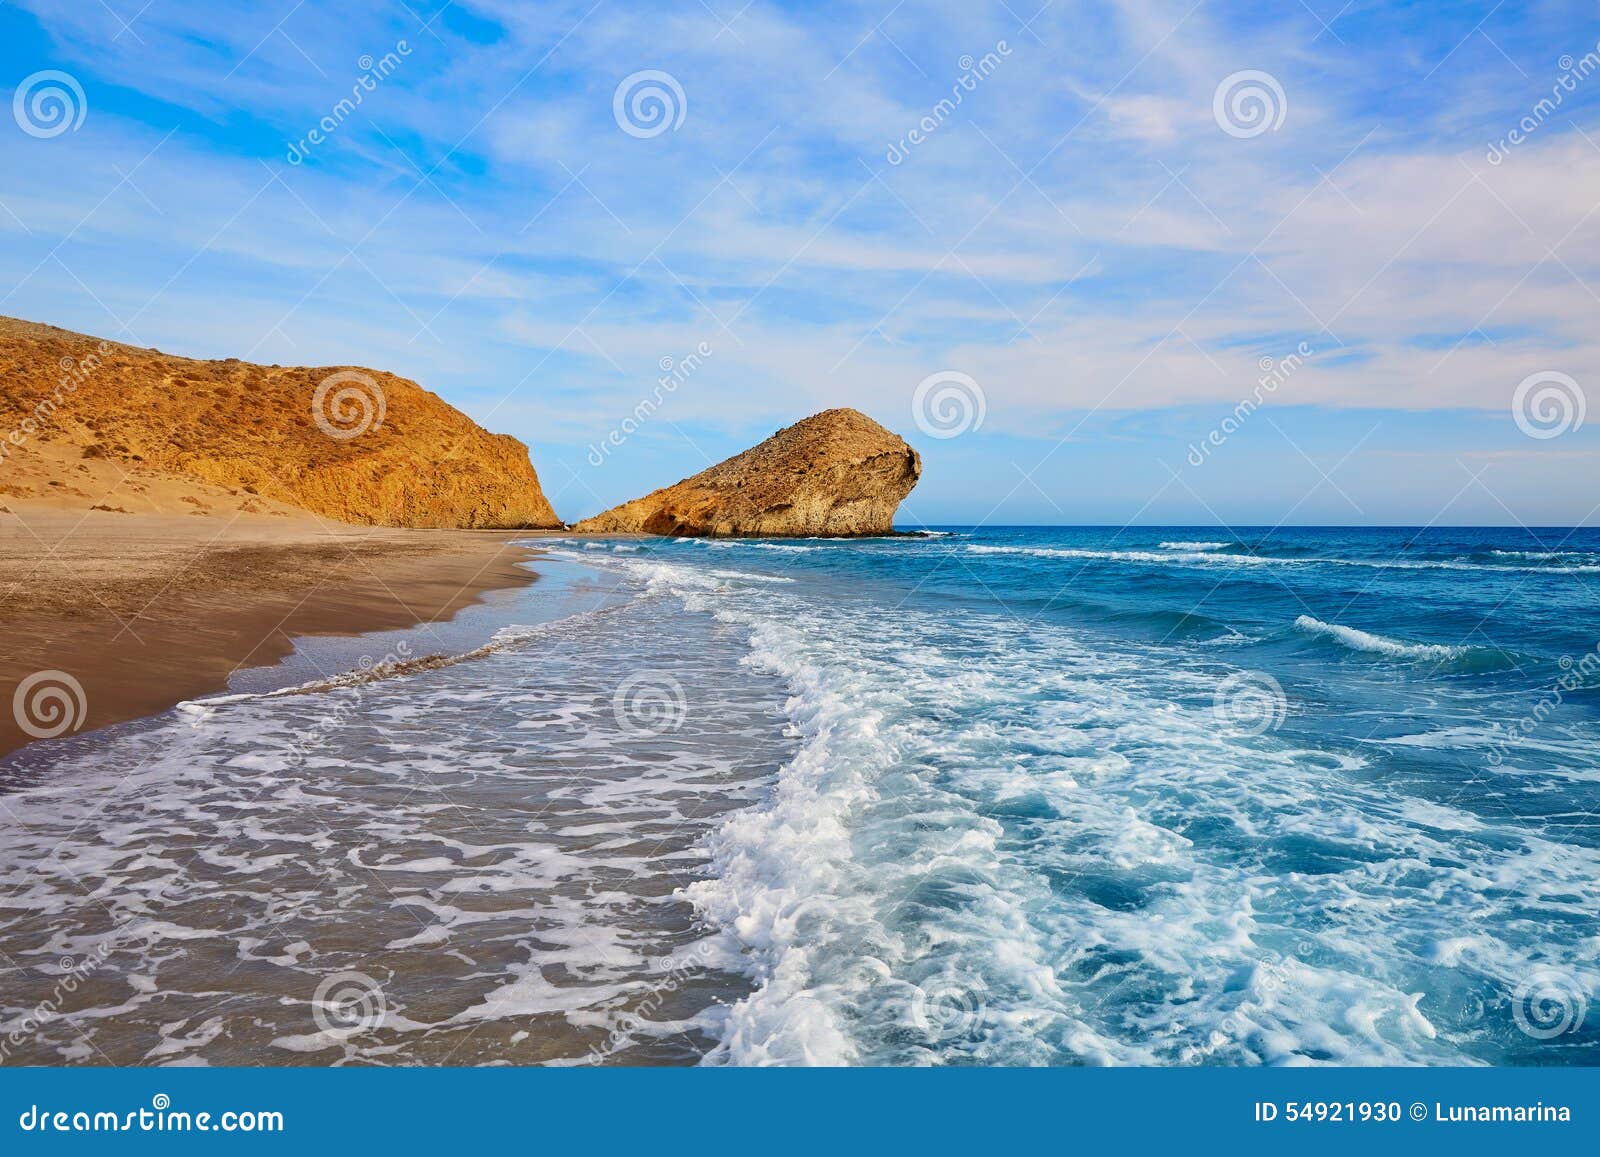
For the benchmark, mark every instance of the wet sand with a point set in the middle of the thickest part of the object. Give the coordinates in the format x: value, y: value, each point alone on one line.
x: 146, y: 610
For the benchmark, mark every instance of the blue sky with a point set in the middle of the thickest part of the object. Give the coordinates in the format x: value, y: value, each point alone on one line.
x: 1105, y: 246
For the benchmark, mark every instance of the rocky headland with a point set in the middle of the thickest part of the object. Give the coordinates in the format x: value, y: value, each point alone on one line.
x: 834, y: 474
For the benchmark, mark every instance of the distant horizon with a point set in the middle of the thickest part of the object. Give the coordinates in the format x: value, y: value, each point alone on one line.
x: 1238, y: 526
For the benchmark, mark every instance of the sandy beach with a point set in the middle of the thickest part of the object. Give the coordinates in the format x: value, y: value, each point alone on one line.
x: 146, y: 610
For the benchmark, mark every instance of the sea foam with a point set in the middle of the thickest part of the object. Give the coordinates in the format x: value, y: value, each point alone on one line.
x: 1359, y: 640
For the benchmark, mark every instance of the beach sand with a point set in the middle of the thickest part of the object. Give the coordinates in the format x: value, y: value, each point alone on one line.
x: 145, y: 610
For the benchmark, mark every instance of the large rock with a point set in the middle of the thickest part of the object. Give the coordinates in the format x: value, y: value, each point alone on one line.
x: 357, y: 445
x: 835, y: 473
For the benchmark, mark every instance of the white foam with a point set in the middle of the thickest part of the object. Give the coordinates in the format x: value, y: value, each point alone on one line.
x: 1198, y: 558
x: 1359, y: 640
x: 1215, y: 559
x: 989, y: 842
x: 1546, y: 555
x: 879, y: 879
x: 1192, y: 545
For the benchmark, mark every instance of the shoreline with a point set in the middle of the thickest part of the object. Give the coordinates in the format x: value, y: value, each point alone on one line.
x: 146, y: 611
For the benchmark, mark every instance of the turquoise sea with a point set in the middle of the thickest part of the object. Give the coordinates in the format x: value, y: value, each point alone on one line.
x: 1012, y: 796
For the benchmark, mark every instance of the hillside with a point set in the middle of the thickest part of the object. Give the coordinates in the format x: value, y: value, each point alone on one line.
x: 99, y: 425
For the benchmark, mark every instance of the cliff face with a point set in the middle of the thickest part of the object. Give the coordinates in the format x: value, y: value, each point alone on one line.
x: 835, y: 473
x: 357, y: 445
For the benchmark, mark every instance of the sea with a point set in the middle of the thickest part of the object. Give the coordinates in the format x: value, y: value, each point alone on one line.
x: 977, y: 796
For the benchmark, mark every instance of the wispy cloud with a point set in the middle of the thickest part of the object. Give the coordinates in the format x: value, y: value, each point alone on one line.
x: 1078, y: 231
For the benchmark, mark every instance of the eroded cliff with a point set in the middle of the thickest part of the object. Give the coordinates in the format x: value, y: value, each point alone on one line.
x: 358, y: 445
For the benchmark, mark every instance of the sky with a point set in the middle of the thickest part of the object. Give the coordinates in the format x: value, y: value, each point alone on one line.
x: 1309, y: 261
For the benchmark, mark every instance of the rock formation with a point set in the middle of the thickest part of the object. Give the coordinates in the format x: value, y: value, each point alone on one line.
x: 835, y: 473
x: 356, y: 445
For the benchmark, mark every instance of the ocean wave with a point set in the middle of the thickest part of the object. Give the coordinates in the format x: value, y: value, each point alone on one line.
x: 1197, y: 558
x: 1373, y: 644
x: 912, y: 838
x: 746, y: 544
x: 1547, y: 555
x: 885, y: 914
x: 1225, y: 559
x: 749, y: 577
x: 661, y: 575
x: 528, y: 860
x: 1193, y: 545
x: 380, y: 671
x: 1172, y: 623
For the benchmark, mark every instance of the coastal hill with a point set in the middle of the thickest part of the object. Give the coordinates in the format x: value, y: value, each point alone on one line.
x: 96, y: 425
x: 837, y: 473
